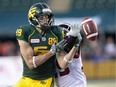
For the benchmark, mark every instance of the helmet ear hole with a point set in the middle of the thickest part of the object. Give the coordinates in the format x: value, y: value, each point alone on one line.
x: 33, y: 21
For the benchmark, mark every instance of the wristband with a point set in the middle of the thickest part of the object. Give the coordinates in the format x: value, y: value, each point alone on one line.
x: 34, y: 62
x: 67, y: 60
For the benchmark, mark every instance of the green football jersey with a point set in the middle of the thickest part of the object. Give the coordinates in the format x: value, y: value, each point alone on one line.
x: 40, y: 45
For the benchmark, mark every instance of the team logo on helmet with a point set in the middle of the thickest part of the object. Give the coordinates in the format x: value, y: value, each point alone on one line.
x: 32, y: 12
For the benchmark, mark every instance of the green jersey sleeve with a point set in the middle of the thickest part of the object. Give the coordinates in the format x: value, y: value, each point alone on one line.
x: 22, y: 33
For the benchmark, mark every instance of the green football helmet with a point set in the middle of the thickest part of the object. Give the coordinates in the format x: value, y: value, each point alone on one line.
x: 36, y: 11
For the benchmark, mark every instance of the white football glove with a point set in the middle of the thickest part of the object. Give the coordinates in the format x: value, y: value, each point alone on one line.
x: 75, y: 29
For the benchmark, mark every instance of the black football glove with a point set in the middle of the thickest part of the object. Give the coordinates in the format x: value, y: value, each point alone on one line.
x: 62, y: 44
x: 78, y: 40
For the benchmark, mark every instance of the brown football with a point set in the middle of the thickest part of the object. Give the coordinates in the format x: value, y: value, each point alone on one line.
x: 89, y: 29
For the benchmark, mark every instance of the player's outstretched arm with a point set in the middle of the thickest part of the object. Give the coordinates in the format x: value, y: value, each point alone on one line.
x: 33, y: 61
x: 64, y: 58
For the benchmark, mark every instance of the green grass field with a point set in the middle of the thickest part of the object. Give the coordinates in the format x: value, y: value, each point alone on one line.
x: 102, y: 83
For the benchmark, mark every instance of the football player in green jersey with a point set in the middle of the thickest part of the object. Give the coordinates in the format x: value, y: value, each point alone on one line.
x: 37, y: 47
x: 38, y: 54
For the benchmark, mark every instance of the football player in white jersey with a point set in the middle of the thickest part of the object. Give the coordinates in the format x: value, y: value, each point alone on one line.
x: 72, y: 75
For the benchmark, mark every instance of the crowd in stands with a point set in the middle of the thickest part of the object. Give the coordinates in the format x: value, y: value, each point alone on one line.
x: 99, y: 50
x: 104, y: 48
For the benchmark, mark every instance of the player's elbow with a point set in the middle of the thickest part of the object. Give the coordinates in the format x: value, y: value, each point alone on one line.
x: 64, y: 67
x: 61, y: 63
x: 30, y: 64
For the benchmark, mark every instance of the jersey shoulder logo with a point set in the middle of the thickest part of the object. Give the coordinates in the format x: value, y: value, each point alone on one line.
x: 35, y: 40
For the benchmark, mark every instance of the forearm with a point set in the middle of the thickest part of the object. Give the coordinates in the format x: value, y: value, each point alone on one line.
x: 64, y: 59
x: 68, y: 57
x: 27, y: 54
x: 71, y: 53
x: 40, y: 59
x: 34, y: 61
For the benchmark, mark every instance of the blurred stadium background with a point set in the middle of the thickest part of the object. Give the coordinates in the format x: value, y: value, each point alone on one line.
x: 98, y: 57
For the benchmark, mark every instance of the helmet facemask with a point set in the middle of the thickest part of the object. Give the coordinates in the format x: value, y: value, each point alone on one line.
x: 44, y: 19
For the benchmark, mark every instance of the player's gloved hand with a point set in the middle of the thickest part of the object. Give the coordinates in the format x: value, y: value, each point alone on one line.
x: 78, y: 40
x: 53, y: 48
x: 75, y: 29
x: 62, y: 44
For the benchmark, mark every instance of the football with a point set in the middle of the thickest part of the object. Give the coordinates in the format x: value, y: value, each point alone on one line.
x: 89, y: 29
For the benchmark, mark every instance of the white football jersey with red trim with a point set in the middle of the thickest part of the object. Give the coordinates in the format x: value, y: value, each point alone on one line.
x: 72, y: 76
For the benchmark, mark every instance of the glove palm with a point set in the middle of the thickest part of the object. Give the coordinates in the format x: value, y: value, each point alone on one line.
x: 53, y: 48
x: 62, y: 44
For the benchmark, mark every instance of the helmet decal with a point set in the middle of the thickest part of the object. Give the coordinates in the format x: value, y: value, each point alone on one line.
x: 32, y: 12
